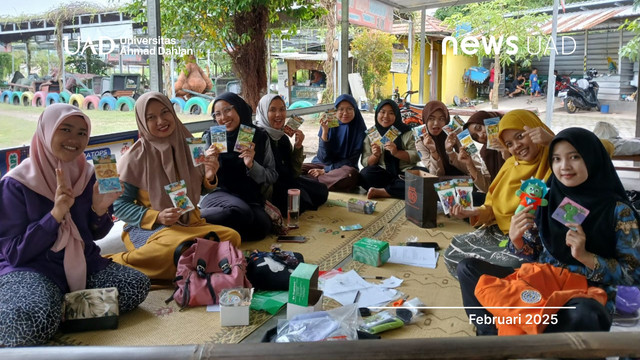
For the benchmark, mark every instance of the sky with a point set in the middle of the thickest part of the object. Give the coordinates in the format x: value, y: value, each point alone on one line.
x: 37, y: 7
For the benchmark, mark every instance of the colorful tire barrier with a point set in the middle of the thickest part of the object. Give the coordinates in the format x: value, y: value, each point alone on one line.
x: 64, y: 96
x: 125, y: 103
x: 210, y: 108
x: 107, y: 103
x: 52, y: 98
x: 196, y: 106
x: 76, y: 100
x: 38, y: 99
x: 91, y: 102
x: 26, y: 98
x: 16, y: 97
x: 5, y: 97
x: 178, y: 104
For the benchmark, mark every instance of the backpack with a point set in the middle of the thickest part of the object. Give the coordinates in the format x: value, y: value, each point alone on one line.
x: 205, y: 269
x: 272, y: 270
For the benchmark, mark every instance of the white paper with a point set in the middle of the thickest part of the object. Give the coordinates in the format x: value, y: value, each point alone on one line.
x: 415, y: 256
x: 213, y: 308
x: 345, y: 282
x: 392, y: 282
x: 375, y: 296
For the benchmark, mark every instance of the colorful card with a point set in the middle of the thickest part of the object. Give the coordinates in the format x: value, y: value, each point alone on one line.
x: 390, y: 135
x: 447, y: 195
x: 463, y: 188
x: 454, y: 126
x: 374, y: 136
x: 419, y: 131
x: 178, y: 193
x: 245, y: 137
x: 107, y: 174
x: 197, y: 147
x: 570, y: 211
x: 467, y: 142
x: 491, y: 127
x: 351, y: 227
x: 218, y: 135
x: 292, y: 125
x: 332, y: 118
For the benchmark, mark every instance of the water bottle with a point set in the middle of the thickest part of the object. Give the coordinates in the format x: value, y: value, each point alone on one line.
x: 293, y: 213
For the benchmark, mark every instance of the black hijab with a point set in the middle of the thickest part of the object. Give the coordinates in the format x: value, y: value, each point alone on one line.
x: 431, y: 107
x: 392, y: 163
x: 242, y: 108
x: 599, y: 194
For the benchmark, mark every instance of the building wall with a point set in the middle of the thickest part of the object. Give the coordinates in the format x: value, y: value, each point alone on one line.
x: 453, y: 68
x: 401, y: 79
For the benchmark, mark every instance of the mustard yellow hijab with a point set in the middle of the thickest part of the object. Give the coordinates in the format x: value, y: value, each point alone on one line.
x: 501, y: 196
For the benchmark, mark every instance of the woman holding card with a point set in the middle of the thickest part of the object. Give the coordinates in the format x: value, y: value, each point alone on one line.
x: 387, y: 154
x: 527, y: 139
x: 52, y: 212
x: 156, y: 223
x: 245, y: 170
x: 271, y: 116
x: 604, y: 248
x: 339, y: 148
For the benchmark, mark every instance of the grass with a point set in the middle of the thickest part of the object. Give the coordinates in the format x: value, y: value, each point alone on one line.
x: 18, y: 123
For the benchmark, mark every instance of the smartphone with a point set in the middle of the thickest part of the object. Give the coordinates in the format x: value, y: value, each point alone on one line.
x: 292, y: 238
x: 433, y: 245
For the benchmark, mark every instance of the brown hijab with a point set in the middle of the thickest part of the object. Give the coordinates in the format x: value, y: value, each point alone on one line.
x: 431, y: 107
x: 154, y: 162
x: 492, y: 158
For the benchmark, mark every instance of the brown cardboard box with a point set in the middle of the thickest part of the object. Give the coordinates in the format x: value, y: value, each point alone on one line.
x: 421, y: 198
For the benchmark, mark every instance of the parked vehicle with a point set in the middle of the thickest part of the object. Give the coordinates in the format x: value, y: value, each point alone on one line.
x: 583, y: 94
x: 411, y: 113
x: 562, y: 82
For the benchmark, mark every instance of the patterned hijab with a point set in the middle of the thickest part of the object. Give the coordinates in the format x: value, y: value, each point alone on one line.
x: 262, y: 116
x: 492, y: 158
x: 431, y: 107
x: 38, y: 173
x: 154, y: 162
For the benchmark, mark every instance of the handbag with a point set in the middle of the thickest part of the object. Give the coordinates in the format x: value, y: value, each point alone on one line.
x: 278, y: 225
x: 90, y: 309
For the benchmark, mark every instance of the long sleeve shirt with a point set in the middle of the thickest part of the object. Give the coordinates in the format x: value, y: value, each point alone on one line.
x: 408, y: 144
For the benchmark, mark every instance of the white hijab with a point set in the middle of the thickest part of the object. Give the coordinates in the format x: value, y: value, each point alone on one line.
x: 262, y: 116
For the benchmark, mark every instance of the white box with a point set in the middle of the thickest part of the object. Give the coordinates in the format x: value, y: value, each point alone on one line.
x: 315, y: 304
x: 234, y: 315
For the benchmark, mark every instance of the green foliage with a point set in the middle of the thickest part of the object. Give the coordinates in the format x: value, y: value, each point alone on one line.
x: 445, y: 12
x: 5, y: 65
x: 372, y: 50
x: 78, y: 63
x: 632, y: 48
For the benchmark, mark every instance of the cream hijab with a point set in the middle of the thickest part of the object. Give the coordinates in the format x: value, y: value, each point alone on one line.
x: 262, y: 116
x: 38, y: 173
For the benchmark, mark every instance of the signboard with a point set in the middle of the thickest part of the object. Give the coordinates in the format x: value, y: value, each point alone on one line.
x: 370, y: 13
x: 399, y: 59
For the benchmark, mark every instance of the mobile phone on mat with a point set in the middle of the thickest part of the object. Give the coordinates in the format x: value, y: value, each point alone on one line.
x: 433, y: 245
x: 292, y: 238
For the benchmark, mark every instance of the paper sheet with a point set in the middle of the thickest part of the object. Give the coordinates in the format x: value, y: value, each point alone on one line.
x: 415, y: 256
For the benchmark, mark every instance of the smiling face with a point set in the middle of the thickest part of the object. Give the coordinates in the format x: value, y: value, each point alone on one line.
x: 345, y: 111
x: 386, y: 116
x: 519, y: 145
x: 435, y: 122
x: 277, y: 113
x: 70, y: 138
x: 225, y: 114
x: 478, y: 133
x: 159, y: 119
x: 568, y: 165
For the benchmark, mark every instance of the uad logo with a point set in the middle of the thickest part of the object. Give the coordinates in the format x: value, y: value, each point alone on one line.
x: 97, y: 49
x: 412, y: 195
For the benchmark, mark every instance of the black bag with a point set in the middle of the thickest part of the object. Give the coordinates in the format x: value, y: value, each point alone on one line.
x: 271, y: 270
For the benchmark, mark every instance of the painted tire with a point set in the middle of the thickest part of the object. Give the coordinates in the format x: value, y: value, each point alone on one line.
x: 16, y: 97
x: 210, y: 107
x: 5, y: 97
x: 125, y: 103
x: 107, y: 103
x: 52, y: 98
x: 26, y: 98
x: 300, y: 104
x: 178, y: 104
x: 38, y: 99
x: 76, y: 100
x: 64, y: 96
x: 91, y: 102
x: 195, y: 106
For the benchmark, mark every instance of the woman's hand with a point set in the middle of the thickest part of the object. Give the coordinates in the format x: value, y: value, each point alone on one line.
x: 459, y: 212
x: 169, y: 216
x: 101, y: 202
x: 576, y: 240
x: 376, y: 151
x: 391, y: 147
x: 316, y: 172
x: 63, y: 200
x: 247, y: 155
x: 520, y: 223
x: 538, y: 135
x: 465, y: 158
x: 298, y: 139
x: 429, y: 144
x: 211, y: 163
x: 451, y: 142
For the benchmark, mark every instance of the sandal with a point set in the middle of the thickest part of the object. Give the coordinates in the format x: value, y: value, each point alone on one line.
x: 511, y: 96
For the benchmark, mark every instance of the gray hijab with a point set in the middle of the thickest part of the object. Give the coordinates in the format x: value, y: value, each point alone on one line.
x: 262, y: 116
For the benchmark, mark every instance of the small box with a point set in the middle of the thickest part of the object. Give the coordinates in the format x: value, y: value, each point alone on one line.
x: 361, y: 206
x: 421, y: 199
x: 236, y: 313
x: 314, y: 304
x: 302, y: 280
x: 371, y: 251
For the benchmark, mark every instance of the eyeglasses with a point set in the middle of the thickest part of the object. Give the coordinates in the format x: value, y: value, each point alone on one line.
x: 346, y: 110
x: 226, y: 111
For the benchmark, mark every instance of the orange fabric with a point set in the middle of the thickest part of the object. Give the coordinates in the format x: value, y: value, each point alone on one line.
x: 539, y: 285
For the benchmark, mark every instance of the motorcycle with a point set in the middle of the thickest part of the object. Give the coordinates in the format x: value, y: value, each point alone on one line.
x: 562, y: 82
x: 583, y: 94
x: 411, y: 113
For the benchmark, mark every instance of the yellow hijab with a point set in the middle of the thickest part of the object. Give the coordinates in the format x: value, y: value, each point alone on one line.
x: 502, y: 193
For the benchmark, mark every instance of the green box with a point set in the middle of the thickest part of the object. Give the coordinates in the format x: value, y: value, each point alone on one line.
x: 371, y: 251
x: 302, y: 280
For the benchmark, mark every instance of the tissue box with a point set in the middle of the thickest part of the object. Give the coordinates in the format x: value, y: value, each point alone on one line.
x: 314, y: 304
x: 234, y: 306
x: 371, y: 251
x: 361, y: 206
x: 302, y: 280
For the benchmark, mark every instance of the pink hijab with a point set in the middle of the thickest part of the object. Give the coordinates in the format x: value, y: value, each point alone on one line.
x: 38, y: 173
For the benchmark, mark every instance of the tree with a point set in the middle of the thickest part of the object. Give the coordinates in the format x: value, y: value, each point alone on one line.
x: 373, y: 51
x: 78, y: 63
x: 501, y: 19
x: 239, y: 27
x: 631, y: 49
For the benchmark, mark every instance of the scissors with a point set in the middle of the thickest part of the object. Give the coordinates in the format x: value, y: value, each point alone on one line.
x: 399, y: 302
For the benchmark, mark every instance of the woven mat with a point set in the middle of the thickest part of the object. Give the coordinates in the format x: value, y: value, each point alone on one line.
x: 327, y: 245
x: 435, y: 287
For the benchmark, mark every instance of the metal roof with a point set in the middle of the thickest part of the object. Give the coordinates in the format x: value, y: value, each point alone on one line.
x: 299, y: 56
x: 585, y: 20
x: 413, y: 5
x: 431, y: 26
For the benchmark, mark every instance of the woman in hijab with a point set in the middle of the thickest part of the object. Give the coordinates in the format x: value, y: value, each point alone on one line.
x: 154, y: 225
x: 271, y: 116
x: 244, y: 173
x: 385, y: 163
x: 51, y: 213
x: 339, y: 148
x: 527, y: 139
x: 604, y: 248
x: 493, y: 159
